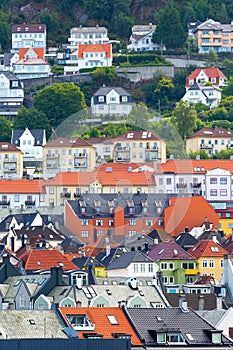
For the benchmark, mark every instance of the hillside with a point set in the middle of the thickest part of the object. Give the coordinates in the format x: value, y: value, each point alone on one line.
x: 118, y: 15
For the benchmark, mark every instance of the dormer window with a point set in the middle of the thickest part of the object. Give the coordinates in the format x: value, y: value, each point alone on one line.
x: 216, y: 337
x: 191, y: 82
x: 161, y: 338
x: 80, y: 322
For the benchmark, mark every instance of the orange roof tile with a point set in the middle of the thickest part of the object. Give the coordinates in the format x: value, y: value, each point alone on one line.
x: 189, y: 166
x: 106, y: 48
x: 210, y: 72
x: 99, y: 317
x: 44, y: 259
x: 21, y: 186
x: 207, y: 248
x: 187, y: 211
x: 38, y: 51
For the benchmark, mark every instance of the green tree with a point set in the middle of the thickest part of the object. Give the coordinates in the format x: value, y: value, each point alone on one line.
x: 203, y: 154
x: 104, y: 75
x: 5, y: 130
x: 169, y: 29
x: 184, y: 117
x: 212, y: 59
x: 59, y: 101
x: 32, y: 119
x: 139, y: 117
x: 227, y: 90
x: 5, y: 36
x: 57, y: 70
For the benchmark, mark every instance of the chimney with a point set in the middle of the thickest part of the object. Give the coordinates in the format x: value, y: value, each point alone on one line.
x: 23, y: 240
x: 201, y: 302
x: 28, y: 246
x: 79, y: 282
x: 214, y: 239
x: 183, y: 305
x: 56, y: 272
x: 219, y: 302
x: 186, y: 230
x: 155, y: 165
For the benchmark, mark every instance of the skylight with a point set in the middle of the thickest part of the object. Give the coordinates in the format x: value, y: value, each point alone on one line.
x: 189, y: 336
x: 112, y: 319
x: 214, y: 249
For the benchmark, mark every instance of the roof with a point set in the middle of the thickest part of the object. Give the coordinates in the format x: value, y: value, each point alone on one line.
x: 81, y: 29
x: 169, y: 251
x: 38, y: 134
x: 9, y: 75
x: 209, y: 300
x: 187, y: 211
x: 212, y: 133
x: 21, y: 186
x: 6, y: 147
x: 68, y: 142
x: 212, y: 316
x: 99, y: 318
x: 189, y: 166
x: 105, y: 90
x: 39, y: 52
x: 30, y: 324
x: 106, y: 48
x: 143, y: 27
x: 142, y: 135
x: 44, y: 259
x: 128, y: 258
x: 42, y: 231
x: 186, y: 240
x: 31, y: 28
x: 210, y: 72
x: 207, y: 248
x: 189, y: 323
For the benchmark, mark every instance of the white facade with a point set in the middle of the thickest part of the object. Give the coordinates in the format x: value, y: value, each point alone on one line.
x: 22, y: 200
x: 28, y: 35
x: 141, y: 38
x: 136, y: 269
x: 87, y: 35
x: 208, y: 95
x: 11, y: 94
x: 218, y: 185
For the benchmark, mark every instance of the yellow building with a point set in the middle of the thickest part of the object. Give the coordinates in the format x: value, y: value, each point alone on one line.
x: 68, y: 154
x: 210, y: 140
x: 210, y: 257
x: 213, y: 35
x: 139, y: 147
x: 11, y: 161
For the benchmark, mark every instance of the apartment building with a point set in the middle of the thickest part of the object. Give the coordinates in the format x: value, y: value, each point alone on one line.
x: 28, y: 35
x: 11, y: 161
x: 87, y: 35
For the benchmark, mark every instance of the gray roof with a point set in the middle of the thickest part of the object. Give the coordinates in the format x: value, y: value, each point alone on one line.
x: 103, y: 91
x: 127, y: 258
x: 212, y: 316
x: 193, y: 328
x: 38, y: 134
x: 96, y: 29
x: 30, y: 324
x: 32, y: 282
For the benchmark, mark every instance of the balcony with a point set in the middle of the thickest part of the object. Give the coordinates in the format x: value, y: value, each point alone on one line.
x: 152, y: 148
x: 206, y: 146
x: 80, y: 165
x: 80, y: 155
x: 30, y: 203
x: 191, y: 271
x: 4, y: 203
x: 77, y: 195
x: 195, y: 185
x: 181, y: 185
x: 52, y: 156
x: 12, y: 160
x: 122, y: 149
x: 12, y: 170
x: 52, y: 165
x: 65, y: 195
x: 122, y: 159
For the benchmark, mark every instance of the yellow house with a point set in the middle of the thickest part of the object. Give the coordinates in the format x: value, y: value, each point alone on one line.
x: 108, y: 178
x: 68, y: 154
x: 226, y: 225
x: 138, y: 147
x: 209, y: 256
x: 11, y: 161
x: 211, y: 140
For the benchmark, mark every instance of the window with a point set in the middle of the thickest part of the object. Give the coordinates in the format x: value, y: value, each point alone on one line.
x: 221, y: 263
x: 223, y: 181
x: 135, y: 267
x: 84, y: 233
x: 84, y: 222
x: 213, y: 180
x: 51, y: 190
x: 169, y: 181
x: 204, y: 263
x: 110, y: 222
x: 113, y: 98
x: 112, y: 319
x: 165, y: 279
x: 211, y: 263
x: 161, y: 338
x: 132, y: 233
x: 213, y: 193
x: 223, y: 192
x: 22, y: 300
x: 171, y: 266
x: 142, y: 268
x: 149, y: 222
x: 99, y: 222
x: 171, y: 280
x: 132, y: 222
x: 16, y: 197
x: 163, y: 266
x: 150, y: 267
x: 160, y: 181
x: 216, y: 338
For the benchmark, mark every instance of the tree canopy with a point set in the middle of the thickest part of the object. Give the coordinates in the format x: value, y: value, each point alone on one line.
x: 32, y: 119
x: 184, y: 117
x: 5, y: 130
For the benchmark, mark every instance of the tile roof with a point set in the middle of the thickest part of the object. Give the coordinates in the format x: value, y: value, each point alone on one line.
x: 146, y: 321
x: 43, y: 259
x: 187, y: 211
x: 38, y: 51
x: 186, y: 240
x: 169, y: 251
x: 68, y: 142
x: 21, y: 186
x: 6, y: 147
x: 210, y: 72
x: 106, y: 48
x: 9, y: 75
x: 209, y: 300
x: 128, y: 258
x: 32, y: 61
x: 96, y: 29
x: 207, y: 248
x: 143, y: 27
x: 212, y: 132
x: 99, y: 317
x: 28, y: 28
x: 105, y: 90
x: 38, y: 134
x: 142, y: 135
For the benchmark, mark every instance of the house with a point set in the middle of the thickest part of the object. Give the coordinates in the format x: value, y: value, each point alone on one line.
x: 138, y: 146
x: 132, y: 264
x: 213, y: 35
x: 172, y: 327
x: 7, y: 60
x: 111, y: 101
x: 87, y: 36
x: 31, y: 64
x: 21, y: 194
x: 28, y: 35
x: 141, y: 38
x: 185, y: 240
x: 213, y: 76
x: 206, y: 94
x: 211, y: 140
x: 67, y: 155
x: 31, y: 143
x: 104, y: 148
x: 103, y: 322
x: 91, y: 56
x: 109, y: 178
x: 11, y: 161
x: 220, y: 319
x: 210, y: 258
x: 201, y: 302
x: 112, y: 215
x: 176, y: 265
x: 11, y: 94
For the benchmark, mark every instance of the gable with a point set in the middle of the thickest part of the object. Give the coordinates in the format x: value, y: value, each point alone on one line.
x: 42, y: 303
x: 100, y: 300
x: 67, y: 302
x: 136, y: 301
x: 218, y: 171
x: 4, y: 82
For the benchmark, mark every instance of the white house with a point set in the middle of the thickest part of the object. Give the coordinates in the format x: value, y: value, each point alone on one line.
x: 206, y: 94
x: 141, y: 38
x: 111, y: 101
x: 213, y: 76
x: 31, y: 64
x: 28, y: 35
x: 11, y: 94
x: 87, y: 35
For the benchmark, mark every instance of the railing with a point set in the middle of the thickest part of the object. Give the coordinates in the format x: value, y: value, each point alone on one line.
x: 30, y: 203
x: 5, y: 202
x: 80, y: 155
x: 65, y: 194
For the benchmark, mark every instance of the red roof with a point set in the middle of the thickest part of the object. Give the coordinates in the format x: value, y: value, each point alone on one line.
x: 210, y: 72
x: 6, y: 147
x: 106, y: 48
x: 212, y: 132
x: 207, y: 248
x: 39, y: 52
x: 106, y: 320
x: 187, y: 211
x: 44, y: 259
x: 21, y: 186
